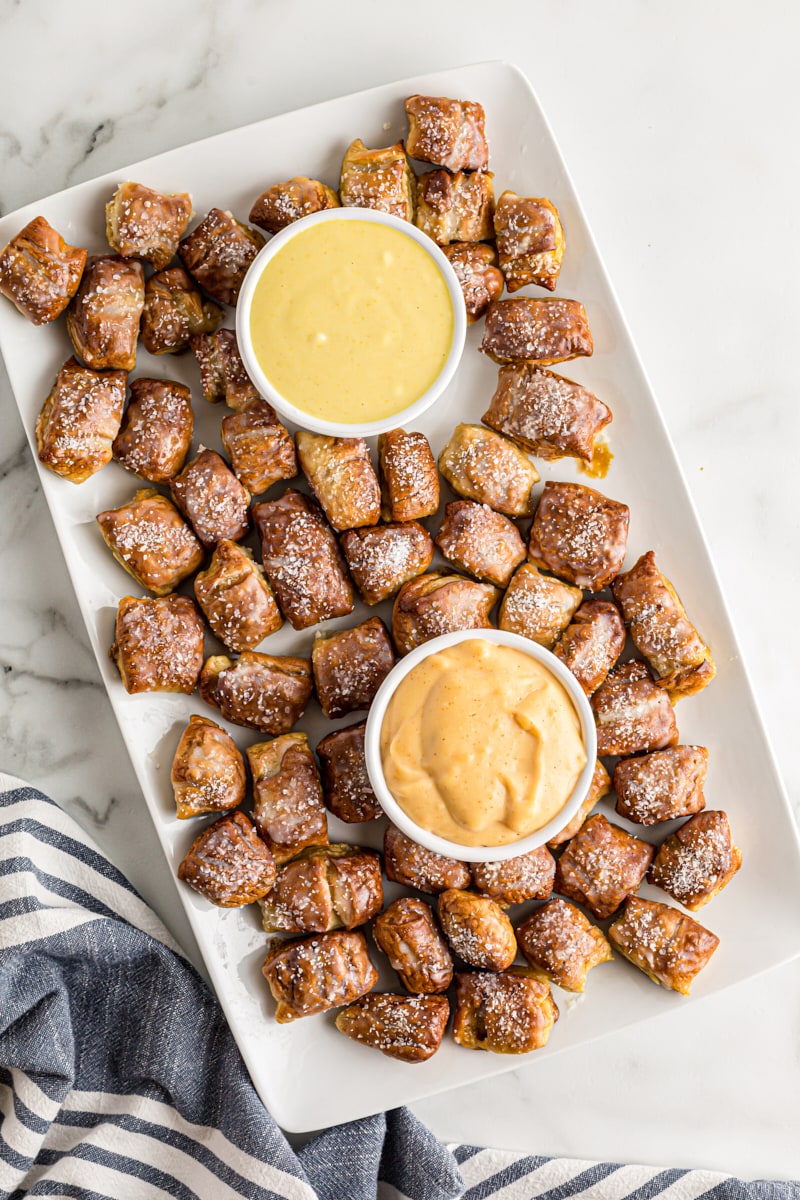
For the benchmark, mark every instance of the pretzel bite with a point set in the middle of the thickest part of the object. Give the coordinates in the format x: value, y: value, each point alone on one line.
x: 530, y: 241
x: 409, y: 1028
x: 324, y: 887
x: 602, y: 865
x: 476, y: 539
x: 633, y: 714
x: 412, y: 865
x: 302, y: 560
x: 579, y: 534
x: 437, y: 603
x: 143, y: 223
x: 218, y: 254
x: 449, y: 133
x: 380, y: 179
x: 207, y: 772
x: 697, y: 861
x: 345, y: 780
x: 409, y: 479
x: 284, y: 203
x: 258, y: 691
x: 156, y: 430
x: 506, y: 1013
x: 407, y: 934
x: 300, y: 901
x: 668, y: 946
x: 260, y: 449
x: 228, y: 863
x: 350, y: 665
x: 223, y: 377
x: 477, y: 929
x: 310, y: 975
x: 661, y: 629
x: 151, y: 541
x: 79, y: 420
x: 481, y: 465
x: 537, y: 330
x: 545, y: 413
x: 210, y: 495
x: 381, y: 558
x: 475, y: 265
x: 236, y: 599
x: 538, y: 607
x: 342, y: 478
x: 561, y: 943
x: 455, y: 208
x: 158, y: 644
x: 40, y: 272
x: 174, y: 312
x: 661, y: 786
x: 599, y: 787
x: 103, y: 315
x: 515, y: 880
x: 287, y: 797
x: 592, y: 643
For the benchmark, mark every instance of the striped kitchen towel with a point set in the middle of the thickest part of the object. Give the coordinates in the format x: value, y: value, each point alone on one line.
x: 120, y: 1079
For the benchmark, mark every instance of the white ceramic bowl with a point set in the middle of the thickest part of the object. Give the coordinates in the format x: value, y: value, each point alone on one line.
x: 297, y: 416
x: 442, y: 845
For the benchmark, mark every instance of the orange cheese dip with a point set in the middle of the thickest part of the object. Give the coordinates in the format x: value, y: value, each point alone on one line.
x: 481, y: 744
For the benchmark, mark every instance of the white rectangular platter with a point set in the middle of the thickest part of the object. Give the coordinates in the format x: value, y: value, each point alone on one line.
x: 308, y: 1075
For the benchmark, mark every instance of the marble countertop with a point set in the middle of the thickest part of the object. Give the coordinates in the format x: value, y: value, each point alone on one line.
x: 676, y: 122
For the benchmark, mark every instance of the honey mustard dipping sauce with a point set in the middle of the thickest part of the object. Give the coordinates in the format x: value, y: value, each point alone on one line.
x: 481, y: 744
x: 351, y: 321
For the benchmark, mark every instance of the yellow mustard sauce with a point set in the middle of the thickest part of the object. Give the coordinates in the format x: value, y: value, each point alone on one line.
x: 481, y: 744
x: 351, y: 321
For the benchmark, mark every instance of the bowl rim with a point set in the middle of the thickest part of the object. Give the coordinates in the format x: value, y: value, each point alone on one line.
x: 444, y: 846
x: 298, y: 416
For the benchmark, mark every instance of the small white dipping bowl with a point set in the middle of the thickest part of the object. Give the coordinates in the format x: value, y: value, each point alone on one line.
x: 290, y: 412
x: 398, y: 816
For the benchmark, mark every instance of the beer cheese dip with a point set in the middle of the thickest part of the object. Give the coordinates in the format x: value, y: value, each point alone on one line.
x: 481, y: 744
x: 351, y: 321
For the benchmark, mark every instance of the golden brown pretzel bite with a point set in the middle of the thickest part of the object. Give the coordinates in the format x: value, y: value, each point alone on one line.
x: 151, y: 541
x: 218, y: 254
x: 408, y: 935
x: 545, y: 413
x: 228, y: 863
x: 40, y: 272
x: 207, y: 773
x: 144, y: 223
x: 668, y: 946
x: 158, y: 644
x: 310, y: 975
x: 602, y: 865
x: 79, y: 420
x: 156, y: 430
x: 258, y: 691
x: 287, y: 797
x: 507, y: 1012
x: 661, y: 629
x: 380, y: 179
x: 302, y: 560
x: 450, y: 133
x: 541, y: 331
x: 409, y: 1028
x: 103, y: 315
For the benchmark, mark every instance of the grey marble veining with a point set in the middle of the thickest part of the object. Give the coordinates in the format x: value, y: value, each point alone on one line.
x: 674, y: 121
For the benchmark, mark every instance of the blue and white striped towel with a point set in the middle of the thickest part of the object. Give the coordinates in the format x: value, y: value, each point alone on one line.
x: 120, y: 1079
